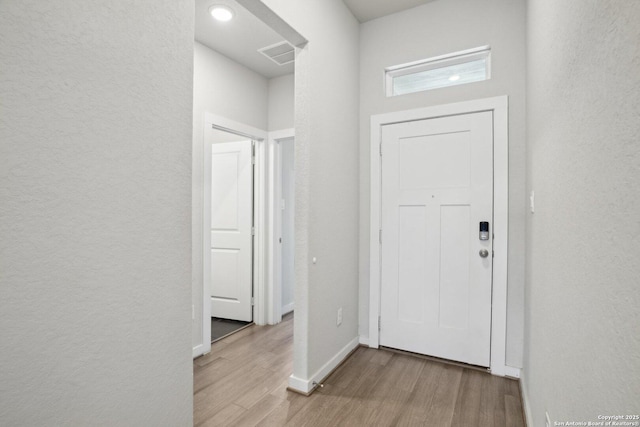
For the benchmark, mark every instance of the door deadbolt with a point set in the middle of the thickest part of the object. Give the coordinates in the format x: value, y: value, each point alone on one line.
x: 484, y: 253
x: 484, y: 230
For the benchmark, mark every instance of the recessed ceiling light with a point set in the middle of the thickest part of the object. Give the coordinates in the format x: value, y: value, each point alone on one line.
x: 221, y: 13
x: 454, y: 78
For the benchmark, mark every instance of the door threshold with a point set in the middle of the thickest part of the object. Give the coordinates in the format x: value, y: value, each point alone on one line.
x: 233, y: 332
x: 439, y: 360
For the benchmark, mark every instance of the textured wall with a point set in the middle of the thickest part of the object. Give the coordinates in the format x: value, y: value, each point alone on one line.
x: 434, y: 29
x: 95, y: 251
x: 582, y: 352
x: 326, y: 156
x: 225, y: 88
x: 281, y: 95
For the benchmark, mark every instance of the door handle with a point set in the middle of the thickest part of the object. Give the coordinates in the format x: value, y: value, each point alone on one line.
x: 484, y: 253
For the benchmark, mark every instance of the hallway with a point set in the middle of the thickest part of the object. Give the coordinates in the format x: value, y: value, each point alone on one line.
x: 242, y: 382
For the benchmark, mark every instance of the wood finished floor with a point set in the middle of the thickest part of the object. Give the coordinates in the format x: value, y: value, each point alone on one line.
x: 243, y: 381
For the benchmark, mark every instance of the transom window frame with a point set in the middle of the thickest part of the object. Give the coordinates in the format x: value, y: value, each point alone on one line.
x: 436, y: 62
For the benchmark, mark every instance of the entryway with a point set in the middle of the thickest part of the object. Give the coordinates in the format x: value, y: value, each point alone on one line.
x: 439, y: 232
x: 243, y: 382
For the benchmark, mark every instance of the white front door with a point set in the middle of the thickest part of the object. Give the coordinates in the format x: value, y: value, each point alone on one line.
x: 231, y: 230
x: 437, y: 187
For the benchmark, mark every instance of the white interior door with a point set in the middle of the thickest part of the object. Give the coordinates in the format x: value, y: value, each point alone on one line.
x: 437, y: 186
x: 231, y: 230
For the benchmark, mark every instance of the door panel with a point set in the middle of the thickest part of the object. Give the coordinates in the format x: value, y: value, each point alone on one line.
x: 441, y: 160
x: 454, y: 266
x: 225, y: 186
x: 226, y: 274
x: 411, y: 268
x: 437, y: 185
x: 231, y: 224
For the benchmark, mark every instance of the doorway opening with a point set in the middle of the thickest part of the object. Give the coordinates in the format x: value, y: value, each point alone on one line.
x: 281, y: 240
x: 239, y: 91
x: 233, y: 226
x: 229, y: 225
x: 248, y: 222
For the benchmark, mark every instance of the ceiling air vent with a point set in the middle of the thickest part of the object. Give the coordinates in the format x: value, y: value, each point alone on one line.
x: 281, y: 53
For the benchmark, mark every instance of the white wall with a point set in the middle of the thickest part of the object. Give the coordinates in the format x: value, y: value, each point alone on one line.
x: 583, y: 343
x: 281, y: 95
x: 95, y: 203
x: 225, y: 88
x: 435, y: 29
x: 326, y: 156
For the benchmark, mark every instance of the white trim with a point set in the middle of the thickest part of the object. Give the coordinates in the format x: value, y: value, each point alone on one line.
x: 288, y: 308
x: 306, y: 386
x: 274, y: 214
x: 436, y: 59
x: 273, y: 272
x: 259, y: 136
x: 260, y: 250
x: 499, y: 106
x: 525, y: 402
x: 364, y: 340
x: 298, y: 384
x: 198, y: 350
x: 510, y: 371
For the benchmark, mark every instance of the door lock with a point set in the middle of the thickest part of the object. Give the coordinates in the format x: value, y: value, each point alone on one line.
x: 484, y: 253
x: 484, y: 230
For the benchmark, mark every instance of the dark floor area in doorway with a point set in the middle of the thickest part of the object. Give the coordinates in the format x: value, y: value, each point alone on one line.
x: 220, y: 328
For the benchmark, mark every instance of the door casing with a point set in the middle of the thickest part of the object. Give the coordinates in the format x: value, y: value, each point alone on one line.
x: 499, y: 107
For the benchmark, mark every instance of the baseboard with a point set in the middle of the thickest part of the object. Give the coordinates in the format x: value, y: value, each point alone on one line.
x: 364, y: 340
x: 298, y: 385
x: 288, y: 308
x: 305, y: 387
x: 198, y: 350
x: 510, y: 371
x: 528, y: 419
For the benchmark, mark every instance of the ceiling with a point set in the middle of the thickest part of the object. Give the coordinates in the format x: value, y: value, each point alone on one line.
x: 366, y: 10
x: 240, y: 38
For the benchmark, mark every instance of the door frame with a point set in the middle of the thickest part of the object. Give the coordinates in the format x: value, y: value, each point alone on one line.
x: 259, y: 221
x: 274, y: 180
x: 500, y: 107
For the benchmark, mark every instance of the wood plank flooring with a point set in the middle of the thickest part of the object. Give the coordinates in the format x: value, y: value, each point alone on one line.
x: 243, y: 381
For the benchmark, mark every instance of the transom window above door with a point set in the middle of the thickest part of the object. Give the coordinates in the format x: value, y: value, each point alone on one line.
x: 452, y: 69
